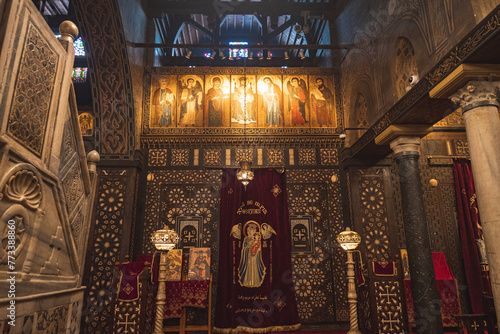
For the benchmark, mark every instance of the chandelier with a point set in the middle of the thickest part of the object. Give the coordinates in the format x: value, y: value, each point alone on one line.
x: 245, y: 174
x: 165, y: 239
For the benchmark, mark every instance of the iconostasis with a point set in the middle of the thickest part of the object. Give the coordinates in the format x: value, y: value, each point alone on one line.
x: 178, y: 99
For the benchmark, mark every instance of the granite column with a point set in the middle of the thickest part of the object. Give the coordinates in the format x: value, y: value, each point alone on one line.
x: 423, y: 281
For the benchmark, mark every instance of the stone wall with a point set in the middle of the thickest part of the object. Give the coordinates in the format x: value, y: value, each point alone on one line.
x: 379, y: 65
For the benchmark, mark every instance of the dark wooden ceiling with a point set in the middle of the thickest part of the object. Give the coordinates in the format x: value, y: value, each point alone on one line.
x: 214, y: 23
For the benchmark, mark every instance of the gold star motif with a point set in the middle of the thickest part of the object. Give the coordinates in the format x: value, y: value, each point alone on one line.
x: 276, y: 190
x: 128, y: 289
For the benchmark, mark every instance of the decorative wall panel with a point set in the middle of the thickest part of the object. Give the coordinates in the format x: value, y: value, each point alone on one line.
x: 33, y: 91
x: 389, y: 307
x: 114, y: 190
x: 101, y: 27
x: 442, y: 220
x: 373, y: 215
x: 186, y: 193
x: 212, y: 157
x: 319, y: 274
x: 157, y: 157
x: 319, y: 277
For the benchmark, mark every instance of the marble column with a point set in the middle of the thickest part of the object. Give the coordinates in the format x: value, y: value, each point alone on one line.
x: 478, y: 100
x: 423, y: 280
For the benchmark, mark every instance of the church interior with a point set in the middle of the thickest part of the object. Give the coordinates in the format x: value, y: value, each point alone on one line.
x: 249, y: 166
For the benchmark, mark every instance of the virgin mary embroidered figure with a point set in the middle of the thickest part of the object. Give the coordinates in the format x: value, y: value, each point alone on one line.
x: 252, y: 270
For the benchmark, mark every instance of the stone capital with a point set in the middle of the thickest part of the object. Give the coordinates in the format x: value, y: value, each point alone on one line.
x: 477, y: 93
x: 405, y: 144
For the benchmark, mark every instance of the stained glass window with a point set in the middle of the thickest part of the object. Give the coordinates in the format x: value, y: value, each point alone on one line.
x: 79, y: 49
x: 235, y: 53
x: 79, y: 74
x: 78, y: 45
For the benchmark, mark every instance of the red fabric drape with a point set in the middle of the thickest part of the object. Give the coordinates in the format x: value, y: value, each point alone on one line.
x: 129, y: 280
x: 255, y: 288
x: 470, y: 230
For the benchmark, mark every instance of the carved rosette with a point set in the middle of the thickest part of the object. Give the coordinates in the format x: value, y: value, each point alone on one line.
x: 476, y: 93
x: 24, y: 187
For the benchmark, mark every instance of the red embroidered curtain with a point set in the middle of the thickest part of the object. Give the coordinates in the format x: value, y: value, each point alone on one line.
x: 255, y: 291
x: 470, y: 230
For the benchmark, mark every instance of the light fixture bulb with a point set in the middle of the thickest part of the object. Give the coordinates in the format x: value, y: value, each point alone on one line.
x: 165, y: 239
x: 245, y: 174
x: 348, y: 240
x: 221, y: 55
x: 286, y: 55
x: 188, y: 55
x: 302, y: 55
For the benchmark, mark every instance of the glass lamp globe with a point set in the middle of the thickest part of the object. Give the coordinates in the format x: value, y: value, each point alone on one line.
x: 245, y: 174
x: 348, y: 239
x: 165, y: 239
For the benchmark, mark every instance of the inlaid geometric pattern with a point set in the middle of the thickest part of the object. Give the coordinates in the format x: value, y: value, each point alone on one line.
x: 105, y: 251
x: 453, y: 119
x: 127, y: 315
x: 374, y: 217
x: 307, y: 156
x: 462, y: 147
x: 329, y: 156
x: 311, y: 192
x: 170, y: 194
x: 180, y: 157
x: 157, y: 157
x: 244, y: 154
x: 212, y: 157
x: 33, y: 91
x: 389, y: 307
x: 275, y: 157
x: 440, y: 206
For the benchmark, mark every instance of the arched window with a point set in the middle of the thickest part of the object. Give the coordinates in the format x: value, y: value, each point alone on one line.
x: 405, y: 65
x: 361, y: 110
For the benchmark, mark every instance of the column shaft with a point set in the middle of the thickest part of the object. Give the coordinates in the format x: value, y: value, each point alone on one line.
x: 423, y: 280
x: 483, y: 135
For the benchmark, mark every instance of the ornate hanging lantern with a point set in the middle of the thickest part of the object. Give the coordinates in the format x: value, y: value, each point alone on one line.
x: 245, y: 174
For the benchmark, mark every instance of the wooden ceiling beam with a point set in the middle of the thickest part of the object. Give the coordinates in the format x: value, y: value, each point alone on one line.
x: 281, y: 28
x: 199, y: 27
x: 220, y: 8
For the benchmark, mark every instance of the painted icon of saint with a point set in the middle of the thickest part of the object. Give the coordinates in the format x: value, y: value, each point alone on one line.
x: 163, y: 98
x: 323, y: 103
x: 271, y: 97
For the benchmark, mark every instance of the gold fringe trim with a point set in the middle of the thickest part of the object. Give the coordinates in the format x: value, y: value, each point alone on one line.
x: 244, y: 329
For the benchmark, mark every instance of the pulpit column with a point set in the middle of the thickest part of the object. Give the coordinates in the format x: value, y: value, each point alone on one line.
x: 423, y: 282
x: 478, y: 100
